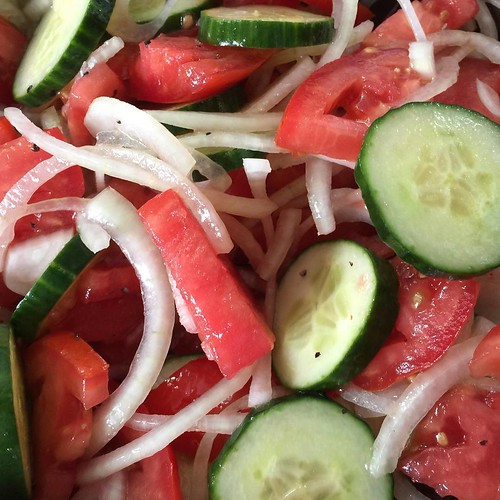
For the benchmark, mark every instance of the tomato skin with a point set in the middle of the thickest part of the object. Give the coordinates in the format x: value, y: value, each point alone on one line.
x: 66, y: 378
x: 12, y: 46
x: 485, y: 361
x: 163, y: 70
x: 100, y: 81
x: 464, y: 92
x: 432, y: 312
x: 232, y: 331
x: 465, y: 464
x: 357, y: 88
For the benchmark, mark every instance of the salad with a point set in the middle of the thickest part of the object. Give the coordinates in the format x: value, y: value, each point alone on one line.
x: 249, y: 249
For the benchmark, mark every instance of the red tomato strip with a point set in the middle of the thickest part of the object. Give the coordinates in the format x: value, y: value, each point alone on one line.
x: 7, y: 131
x: 232, y: 331
x: 431, y: 315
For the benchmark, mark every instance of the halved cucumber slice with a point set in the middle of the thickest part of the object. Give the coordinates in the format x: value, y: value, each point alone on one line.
x: 49, y: 288
x: 430, y: 178
x: 264, y: 26
x: 15, y: 475
x: 65, y: 37
x: 335, y: 307
x: 304, y: 447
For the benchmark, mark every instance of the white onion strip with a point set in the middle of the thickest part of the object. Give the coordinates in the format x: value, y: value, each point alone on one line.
x: 485, y: 21
x: 318, y: 185
x: 282, y: 86
x: 261, y: 390
x: 121, y: 23
x: 416, y: 401
x: 120, y: 219
x: 413, y: 20
x: 102, y: 54
x: 344, y: 17
x: 156, y: 439
x: 203, y: 121
x: 107, y: 114
x: 217, y: 177
x: 489, y: 97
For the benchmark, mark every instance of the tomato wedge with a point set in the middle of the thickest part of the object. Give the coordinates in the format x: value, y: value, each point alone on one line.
x: 172, y: 69
x: 66, y: 379
x: 432, y: 312
x: 455, y: 449
x: 232, y: 331
x: 486, y: 359
x: 330, y: 112
x: 7, y: 131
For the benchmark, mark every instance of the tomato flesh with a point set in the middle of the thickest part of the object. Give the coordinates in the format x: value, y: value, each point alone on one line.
x: 432, y: 313
x: 232, y: 331
x: 455, y: 449
x: 485, y: 361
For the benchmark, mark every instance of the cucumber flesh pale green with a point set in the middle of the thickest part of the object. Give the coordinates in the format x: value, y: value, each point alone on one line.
x: 15, y: 477
x: 430, y: 178
x: 65, y: 37
x: 335, y: 307
x: 304, y: 447
x: 264, y: 26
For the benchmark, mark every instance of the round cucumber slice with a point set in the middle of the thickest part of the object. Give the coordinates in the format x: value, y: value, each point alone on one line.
x: 335, y: 307
x: 15, y: 476
x: 264, y: 26
x: 430, y: 178
x: 49, y: 288
x: 298, y: 447
x: 65, y: 37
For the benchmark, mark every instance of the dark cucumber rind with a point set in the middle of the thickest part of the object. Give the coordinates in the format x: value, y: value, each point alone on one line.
x: 302, y: 444
x: 49, y: 288
x: 264, y: 26
x: 430, y: 178
x: 335, y: 307
x: 15, y: 480
x: 51, y: 61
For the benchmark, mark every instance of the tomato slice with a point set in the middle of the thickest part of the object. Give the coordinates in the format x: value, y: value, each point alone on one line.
x: 431, y: 315
x: 455, y: 449
x: 486, y: 359
x: 180, y: 389
x: 101, y: 80
x: 12, y: 46
x: 330, y: 112
x: 7, y: 131
x: 163, y: 69
x: 66, y: 378
x: 232, y: 331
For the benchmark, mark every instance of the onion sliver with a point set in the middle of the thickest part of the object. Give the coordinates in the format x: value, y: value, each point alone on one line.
x: 318, y: 184
x: 416, y: 401
x: 156, y: 439
x: 112, y: 115
x: 489, y: 97
x: 102, y: 54
x: 120, y: 219
x: 261, y: 389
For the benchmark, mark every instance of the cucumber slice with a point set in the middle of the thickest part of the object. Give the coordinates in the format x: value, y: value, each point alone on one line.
x: 298, y: 447
x: 65, y: 37
x: 335, y: 307
x: 184, y: 14
x: 49, y: 288
x: 264, y: 26
x: 15, y: 475
x: 430, y: 178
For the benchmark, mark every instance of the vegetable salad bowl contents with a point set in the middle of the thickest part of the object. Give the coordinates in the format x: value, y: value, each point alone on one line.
x: 249, y: 249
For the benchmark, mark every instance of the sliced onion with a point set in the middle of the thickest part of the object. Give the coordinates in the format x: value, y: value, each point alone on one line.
x: 318, y: 184
x: 26, y: 261
x: 413, y: 20
x: 489, y: 97
x: 217, y: 177
x: 415, y: 403
x: 349, y: 206
x: 156, y: 439
x: 270, y: 298
x: 102, y: 54
x: 36, y: 9
x: 338, y: 161
x: 422, y: 61
x: 485, y: 21
x: 344, y: 17
x: 123, y: 25
x: 257, y: 121
x: 119, y: 217
x: 112, y: 115
x: 282, y: 86
x: 495, y: 3
x: 261, y: 390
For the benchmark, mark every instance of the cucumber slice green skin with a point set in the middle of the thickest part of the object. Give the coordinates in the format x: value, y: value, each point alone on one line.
x: 441, y: 214
x: 335, y: 308
x: 15, y: 477
x: 48, y: 289
x: 263, y: 26
x: 34, y: 86
x: 300, y: 443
